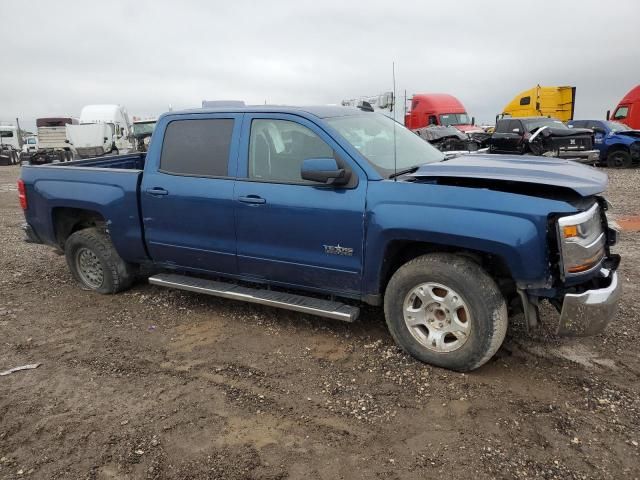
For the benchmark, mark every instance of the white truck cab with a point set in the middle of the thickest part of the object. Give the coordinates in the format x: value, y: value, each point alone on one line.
x: 103, y: 129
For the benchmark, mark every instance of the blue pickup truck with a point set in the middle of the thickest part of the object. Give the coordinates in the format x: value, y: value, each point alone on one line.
x: 321, y: 209
x: 619, y: 144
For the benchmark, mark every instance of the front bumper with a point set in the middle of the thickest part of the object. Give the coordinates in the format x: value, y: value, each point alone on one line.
x: 589, y: 312
x: 590, y: 157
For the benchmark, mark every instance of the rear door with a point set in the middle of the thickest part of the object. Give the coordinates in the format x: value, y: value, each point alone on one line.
x: 292, y: 231
x: 187, y: 193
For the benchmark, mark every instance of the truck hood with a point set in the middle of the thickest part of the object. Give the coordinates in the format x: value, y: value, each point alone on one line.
x: 583, y: 180
x: 629, y: 133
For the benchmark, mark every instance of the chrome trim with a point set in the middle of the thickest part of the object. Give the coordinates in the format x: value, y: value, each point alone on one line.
x: 287, y: 301
x: 588, y: 313
x: 597, y: 239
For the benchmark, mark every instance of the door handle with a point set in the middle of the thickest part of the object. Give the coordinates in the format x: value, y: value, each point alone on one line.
x: 157, y: 191
x: 252, y: 199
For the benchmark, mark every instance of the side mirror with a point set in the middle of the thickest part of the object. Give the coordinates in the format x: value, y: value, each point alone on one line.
x: 66, y: 141
x: 516, y: 130
x: 324, y: 170
x: 608, y: 114
x: 473, y: 120
x: 105, y: 139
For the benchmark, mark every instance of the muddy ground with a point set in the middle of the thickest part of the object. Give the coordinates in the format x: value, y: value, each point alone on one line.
x: 155, y: 383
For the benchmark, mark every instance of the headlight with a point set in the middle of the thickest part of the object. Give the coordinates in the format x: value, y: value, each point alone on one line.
x: 582, y: 241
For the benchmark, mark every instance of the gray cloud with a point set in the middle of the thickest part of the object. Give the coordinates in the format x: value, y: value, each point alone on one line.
x: 61, y: 55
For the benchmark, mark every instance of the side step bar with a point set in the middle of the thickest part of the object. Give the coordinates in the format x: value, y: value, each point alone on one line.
x: 288, y: 301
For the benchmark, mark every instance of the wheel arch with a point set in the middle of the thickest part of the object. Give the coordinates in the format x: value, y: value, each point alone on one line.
x: 67, y: 220
x: 399, y: 252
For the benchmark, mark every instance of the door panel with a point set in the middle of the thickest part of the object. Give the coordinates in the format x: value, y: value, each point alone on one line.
x: 299, y: 233
x: 187, y: 208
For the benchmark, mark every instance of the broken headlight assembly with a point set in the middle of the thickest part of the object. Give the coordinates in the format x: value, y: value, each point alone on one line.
x: 582, y: 242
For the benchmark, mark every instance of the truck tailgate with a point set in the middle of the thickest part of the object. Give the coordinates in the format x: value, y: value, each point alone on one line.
x: 112, y: 193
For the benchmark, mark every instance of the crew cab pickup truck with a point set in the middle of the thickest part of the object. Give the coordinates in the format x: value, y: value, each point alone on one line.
x: 619, y: 144
x: 543, y: 136
x: 321, y: 209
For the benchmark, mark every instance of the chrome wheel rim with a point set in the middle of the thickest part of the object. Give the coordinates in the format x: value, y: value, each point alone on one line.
x: 89, y: 267
x: 437, y: 317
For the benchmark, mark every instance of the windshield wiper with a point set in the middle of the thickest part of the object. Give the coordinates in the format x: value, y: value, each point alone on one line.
x: 405, y: 171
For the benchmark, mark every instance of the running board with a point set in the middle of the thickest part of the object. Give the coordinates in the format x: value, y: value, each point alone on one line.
x: 288, y: 301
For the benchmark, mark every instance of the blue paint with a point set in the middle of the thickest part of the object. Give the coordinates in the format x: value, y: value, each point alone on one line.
x: 278, y: 232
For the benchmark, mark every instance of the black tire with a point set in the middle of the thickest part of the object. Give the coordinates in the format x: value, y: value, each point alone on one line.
x: 619, y: 159
x: 108, y: 273
x: 478, y: 292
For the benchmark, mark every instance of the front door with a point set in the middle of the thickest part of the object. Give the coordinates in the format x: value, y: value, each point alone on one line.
x: 187, y: 193
x: 290, y: 230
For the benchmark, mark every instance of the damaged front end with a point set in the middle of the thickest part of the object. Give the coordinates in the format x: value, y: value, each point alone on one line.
x: 586, y: 287
x: 450, y: 139
x: 573, y: 144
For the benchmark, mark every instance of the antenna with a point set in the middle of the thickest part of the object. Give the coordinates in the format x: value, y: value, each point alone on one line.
x: 393, y: 106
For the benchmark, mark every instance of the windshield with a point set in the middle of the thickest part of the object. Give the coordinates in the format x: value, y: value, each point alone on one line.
x: 447, y: 119
x: 372, y: 135
x: 532, y: 125
x: 6, y: 133
x: 617, y: 127
x: 143, y: 128
x: 31, y: 141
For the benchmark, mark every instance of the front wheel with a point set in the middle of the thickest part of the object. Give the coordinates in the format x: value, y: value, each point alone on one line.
x: 619, y: 159
x: 445, y: 310
x: 95, y: 263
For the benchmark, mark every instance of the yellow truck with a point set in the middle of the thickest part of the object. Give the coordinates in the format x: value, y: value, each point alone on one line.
x: 556, y: 102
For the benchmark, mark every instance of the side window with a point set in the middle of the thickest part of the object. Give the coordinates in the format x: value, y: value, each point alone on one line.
x: 621, y: 113
x: 197, y: 147
x: 515, y: 124
x: 525, y: 101
x: 502, y: 126
x: 277, y: 149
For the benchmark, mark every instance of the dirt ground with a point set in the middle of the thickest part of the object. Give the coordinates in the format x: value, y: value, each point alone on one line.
x: 155, y: 383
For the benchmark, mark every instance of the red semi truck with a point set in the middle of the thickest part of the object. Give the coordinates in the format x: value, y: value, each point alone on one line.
x: 438, y: 109
x: 628, y: 110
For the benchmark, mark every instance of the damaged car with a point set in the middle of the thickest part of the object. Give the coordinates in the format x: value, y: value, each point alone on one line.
x: 543, y: 136
x: 619, y: 144
x: 450, y: 138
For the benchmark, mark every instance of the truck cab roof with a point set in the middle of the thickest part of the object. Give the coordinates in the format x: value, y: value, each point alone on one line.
x: 320, y: 111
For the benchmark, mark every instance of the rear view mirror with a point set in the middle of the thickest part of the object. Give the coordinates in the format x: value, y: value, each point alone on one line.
x: 324, y: 170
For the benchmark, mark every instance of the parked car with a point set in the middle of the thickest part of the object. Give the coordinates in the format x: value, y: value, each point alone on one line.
x: 619, y: 145
x: 341, y: 207
x: 543, y: 136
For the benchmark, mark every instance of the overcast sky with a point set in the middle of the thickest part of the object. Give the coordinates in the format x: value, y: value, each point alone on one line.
x: 60, y: 55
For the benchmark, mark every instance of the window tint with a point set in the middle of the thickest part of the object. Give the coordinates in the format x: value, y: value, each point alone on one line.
x: 514, y: 124
x: 277, y: 149
x: 622, y: 112
x: 525, y: 101
x: 197, y: 147
x: 502, y: 126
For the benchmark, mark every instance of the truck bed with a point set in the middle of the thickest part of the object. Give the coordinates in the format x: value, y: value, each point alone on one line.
x: 132, y: 161
x: 108, y: 187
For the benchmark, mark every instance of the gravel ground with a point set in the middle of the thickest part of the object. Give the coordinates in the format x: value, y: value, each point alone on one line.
x: 155, y: 383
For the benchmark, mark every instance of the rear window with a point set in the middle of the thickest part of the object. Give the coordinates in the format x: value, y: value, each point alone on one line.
x: 197, y: 147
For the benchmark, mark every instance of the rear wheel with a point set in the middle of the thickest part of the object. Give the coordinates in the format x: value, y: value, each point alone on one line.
x: 95, y: 264
x: 445, y: 310
x: 619, y: 159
